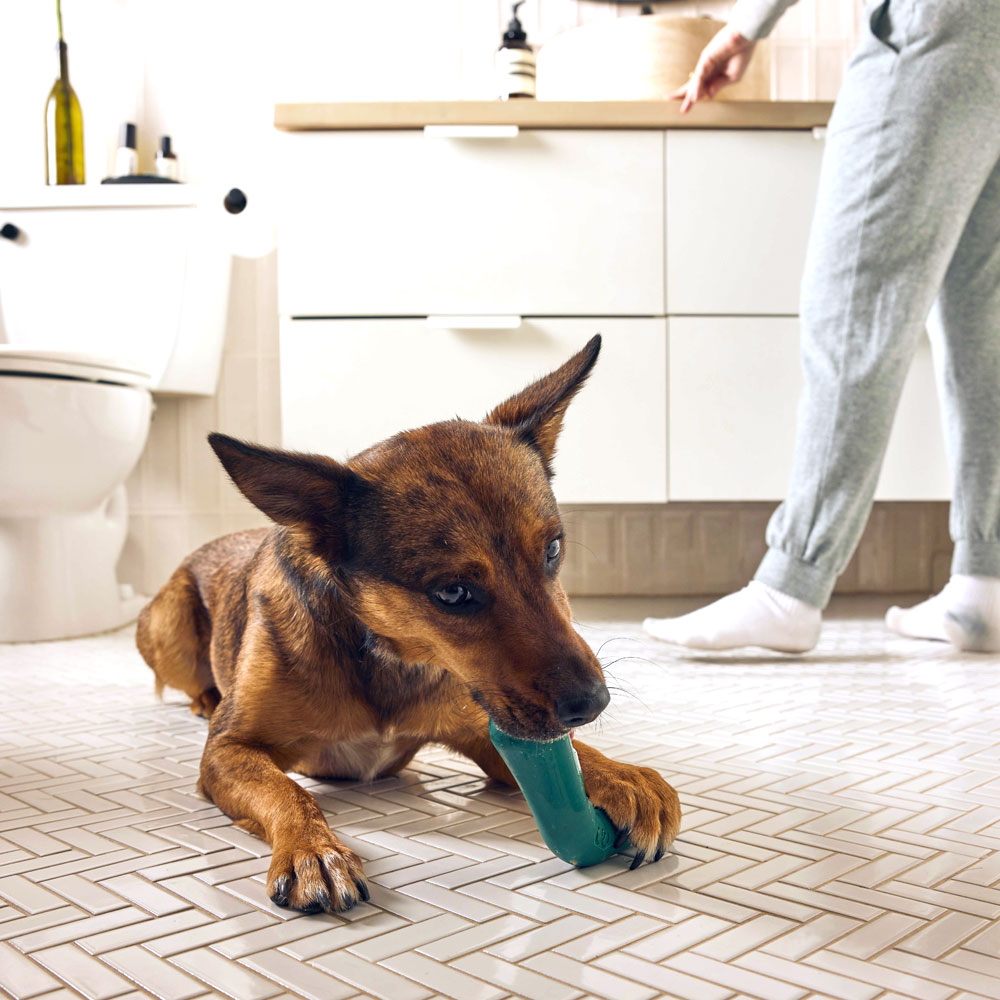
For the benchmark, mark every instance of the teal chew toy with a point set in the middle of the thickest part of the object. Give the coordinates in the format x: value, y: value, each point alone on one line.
x: 549, y: 775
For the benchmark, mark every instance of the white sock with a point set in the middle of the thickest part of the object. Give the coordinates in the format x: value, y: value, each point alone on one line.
x: 757, y: 615
x: 972, y: 621
x: 923, y: 621
x: 965, y: 613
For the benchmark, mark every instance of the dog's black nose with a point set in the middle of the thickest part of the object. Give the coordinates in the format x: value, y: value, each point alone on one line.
x: 582, y: 706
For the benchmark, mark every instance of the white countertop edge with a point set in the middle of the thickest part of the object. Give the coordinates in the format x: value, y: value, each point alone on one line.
x: 101, y: 196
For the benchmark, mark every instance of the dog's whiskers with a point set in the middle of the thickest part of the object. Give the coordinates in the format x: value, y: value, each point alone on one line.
x: 587, y: 548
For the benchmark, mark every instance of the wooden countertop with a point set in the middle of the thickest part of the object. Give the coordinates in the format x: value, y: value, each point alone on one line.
x: 552, y: 114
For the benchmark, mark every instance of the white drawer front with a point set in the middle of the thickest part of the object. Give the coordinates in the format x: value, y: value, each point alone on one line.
x: 388, y: 223
x: 734, y: 388
x: 346, y: 384
x: 739, y: 205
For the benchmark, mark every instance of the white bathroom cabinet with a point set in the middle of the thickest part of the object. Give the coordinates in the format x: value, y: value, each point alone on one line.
x: 733, y: 394
x: 423, y: 276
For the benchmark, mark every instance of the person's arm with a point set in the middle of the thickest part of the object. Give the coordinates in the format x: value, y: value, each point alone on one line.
x: 726, y: 57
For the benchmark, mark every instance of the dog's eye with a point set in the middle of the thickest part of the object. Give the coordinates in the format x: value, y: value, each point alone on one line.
x: 554, y: 550
x: 454, y: 595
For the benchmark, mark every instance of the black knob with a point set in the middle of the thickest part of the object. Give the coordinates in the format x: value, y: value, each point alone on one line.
x: 10, y: 231
x: 235, y: 201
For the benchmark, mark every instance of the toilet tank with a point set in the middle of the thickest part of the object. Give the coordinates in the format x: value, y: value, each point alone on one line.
x: 136, y: 272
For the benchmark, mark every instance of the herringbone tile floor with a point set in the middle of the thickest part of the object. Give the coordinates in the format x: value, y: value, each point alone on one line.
x: 841, y: 839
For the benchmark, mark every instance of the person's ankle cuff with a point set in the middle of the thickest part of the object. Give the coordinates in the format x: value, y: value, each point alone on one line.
x: 796, y: 578
x: 976, y: 557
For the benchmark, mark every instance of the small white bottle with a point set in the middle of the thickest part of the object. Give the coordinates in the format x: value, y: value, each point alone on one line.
x: 126, y: 159
x: 515, y: 61
x: 166, y: 160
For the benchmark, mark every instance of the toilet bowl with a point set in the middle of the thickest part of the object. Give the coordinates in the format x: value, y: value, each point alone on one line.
x: 72, y: 427
x: 89, y: 329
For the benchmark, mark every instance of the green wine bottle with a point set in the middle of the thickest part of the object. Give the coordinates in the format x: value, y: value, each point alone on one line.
x: 63, y: 124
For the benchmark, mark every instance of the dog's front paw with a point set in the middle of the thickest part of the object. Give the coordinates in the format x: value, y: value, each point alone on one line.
x: 637, y: 800
x: 316, y: 874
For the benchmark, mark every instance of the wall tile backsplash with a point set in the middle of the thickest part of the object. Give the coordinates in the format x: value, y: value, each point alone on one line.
x: 444, y: 48
x: 809, y: 46
x: 179, y: 496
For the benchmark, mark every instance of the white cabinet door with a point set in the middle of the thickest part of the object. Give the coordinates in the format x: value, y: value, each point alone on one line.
x: 346, y: 384
x: 733, y: 389
x: 739, y: 205
x: 399, y: 223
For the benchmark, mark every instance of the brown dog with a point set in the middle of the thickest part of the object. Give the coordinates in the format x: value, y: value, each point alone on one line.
x: 403, y: 597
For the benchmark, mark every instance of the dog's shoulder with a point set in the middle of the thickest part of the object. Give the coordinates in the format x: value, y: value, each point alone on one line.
x: 296, y: 607
x: 395, y: 689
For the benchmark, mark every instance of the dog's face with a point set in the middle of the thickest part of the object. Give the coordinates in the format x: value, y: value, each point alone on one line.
x: 459, y: 567
x: 452, y: 542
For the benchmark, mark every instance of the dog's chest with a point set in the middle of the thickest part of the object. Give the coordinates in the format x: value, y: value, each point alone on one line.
x: 363, y: 758
x: 392, y: 690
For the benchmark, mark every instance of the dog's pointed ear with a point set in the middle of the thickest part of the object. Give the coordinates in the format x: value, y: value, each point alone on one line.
x: 536, y: 413
x: 307, y: 492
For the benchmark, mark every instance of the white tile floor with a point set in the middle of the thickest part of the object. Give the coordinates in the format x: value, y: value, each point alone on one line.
x: 841, y: 839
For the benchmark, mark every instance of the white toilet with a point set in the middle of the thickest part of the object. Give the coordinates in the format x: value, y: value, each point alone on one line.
x: 107, y: 295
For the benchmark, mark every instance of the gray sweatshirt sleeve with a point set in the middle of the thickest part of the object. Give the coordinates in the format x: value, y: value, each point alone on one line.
x: 756, y: 18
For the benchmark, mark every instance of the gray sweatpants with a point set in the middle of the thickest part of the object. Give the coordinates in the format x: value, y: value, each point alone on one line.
x: 908, y: 212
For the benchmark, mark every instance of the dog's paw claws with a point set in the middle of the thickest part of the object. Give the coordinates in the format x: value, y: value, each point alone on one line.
x: 317, y: 877
x: 322, y: 901
x: 279, y: 895
x: 362, y: 887
x: 642, y: 806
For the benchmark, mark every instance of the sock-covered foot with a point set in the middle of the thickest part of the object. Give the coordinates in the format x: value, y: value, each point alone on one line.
x: 972, y: 618
x: 757, y: 615
x: 923, y: 621
x: 965, y: 613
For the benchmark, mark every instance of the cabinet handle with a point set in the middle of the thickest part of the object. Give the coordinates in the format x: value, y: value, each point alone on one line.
x: 470, y: 131
x: 10, y: 231
x: 473, y: 322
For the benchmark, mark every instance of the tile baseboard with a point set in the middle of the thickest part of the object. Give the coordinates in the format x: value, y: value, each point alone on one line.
x: 682, y: 549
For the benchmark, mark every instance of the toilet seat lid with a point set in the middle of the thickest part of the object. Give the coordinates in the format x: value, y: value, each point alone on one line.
x: 72, y: 364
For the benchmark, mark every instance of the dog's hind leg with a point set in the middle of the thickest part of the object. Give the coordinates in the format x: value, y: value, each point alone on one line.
x: 173, y: 637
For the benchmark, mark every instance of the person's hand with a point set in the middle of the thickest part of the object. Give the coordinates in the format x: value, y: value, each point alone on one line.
x: 722, y: 62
